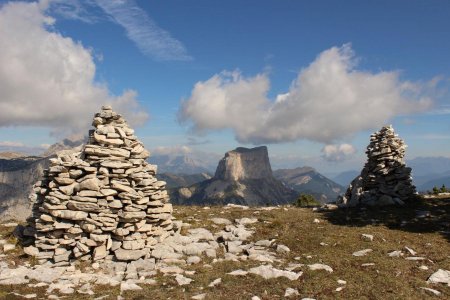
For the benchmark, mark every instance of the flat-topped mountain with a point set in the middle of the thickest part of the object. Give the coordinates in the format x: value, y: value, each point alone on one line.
x: 308, y: 181
x: 243, y: 163
x: 243, y: 176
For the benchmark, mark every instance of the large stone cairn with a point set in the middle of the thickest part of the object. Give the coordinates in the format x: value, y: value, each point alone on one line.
x: 385, y: 178
x: 103, y: 202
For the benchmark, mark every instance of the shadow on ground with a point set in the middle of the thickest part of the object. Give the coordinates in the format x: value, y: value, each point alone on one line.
x: 422, y: 216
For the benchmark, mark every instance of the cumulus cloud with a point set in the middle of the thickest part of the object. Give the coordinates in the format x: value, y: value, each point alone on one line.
x: 151, y: 39
x: 337, y: 153
x: 47, y: 79
x: 328, y: 101
x: 172, y: 150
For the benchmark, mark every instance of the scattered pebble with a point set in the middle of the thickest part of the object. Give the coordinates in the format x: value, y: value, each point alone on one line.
x: 283, y: 249
x: 367, y: 237
x: 423, y: 267
x: 8, y: 247
x: 215, y: 282
x: 291, y: 292
x: 341, y: 281
x: 268, y: 272
x: 362, y: 252
x: 181, y: 280
x: 314, y: 267
x: 221, y: 221
x: 199, y: 296
x: 238, y: 273
x: 396, y: 253
x: 411, y: 251
x: 339, y: 289
x: 415, y: 258
x: 433, y: 291
x: 317, y: 221
x: 367, y: 265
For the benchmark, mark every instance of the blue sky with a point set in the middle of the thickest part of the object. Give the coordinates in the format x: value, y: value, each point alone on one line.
x: 228, y: 61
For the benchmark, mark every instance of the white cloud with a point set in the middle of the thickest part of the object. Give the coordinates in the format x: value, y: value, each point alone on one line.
x: 11, y: 144
x: 337, y: 153
x: 143, y: 31
x: 47, y: 79
x: 330, y: 100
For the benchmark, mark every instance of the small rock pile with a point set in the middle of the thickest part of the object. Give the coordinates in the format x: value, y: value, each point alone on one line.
x: 385, y: 179
x: 101, y: 203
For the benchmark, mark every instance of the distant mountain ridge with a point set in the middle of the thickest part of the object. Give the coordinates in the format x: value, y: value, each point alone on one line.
x: 182, y: 180
x: 180, y: 164
x: 308, y: 181
x: 243, y: 176
x: 345, y: 177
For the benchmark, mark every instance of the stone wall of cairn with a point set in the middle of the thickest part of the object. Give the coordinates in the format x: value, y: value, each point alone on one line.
x: 103, y: 202
x: 385, y: 178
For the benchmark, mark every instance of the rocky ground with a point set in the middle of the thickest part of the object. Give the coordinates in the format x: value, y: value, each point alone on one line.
x: 261, y: 253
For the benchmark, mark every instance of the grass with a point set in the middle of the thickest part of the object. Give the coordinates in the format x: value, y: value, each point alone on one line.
x: 340, y: 231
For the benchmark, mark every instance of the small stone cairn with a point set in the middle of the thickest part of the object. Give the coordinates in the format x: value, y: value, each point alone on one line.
x: 103, y: 202
x: 385, y: 178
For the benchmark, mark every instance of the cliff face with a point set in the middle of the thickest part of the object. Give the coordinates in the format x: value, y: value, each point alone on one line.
x: 243, y: 176
x: 17, y: 177
x: 243, y: 163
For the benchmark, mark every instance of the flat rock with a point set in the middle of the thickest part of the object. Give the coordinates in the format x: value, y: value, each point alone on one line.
x: 124, y: 255
x: 70, y: 215
x: 31, y: 250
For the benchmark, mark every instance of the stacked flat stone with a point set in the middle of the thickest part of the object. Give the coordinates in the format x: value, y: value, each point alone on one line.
x: 385, y: 178
x: 102, y: 202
